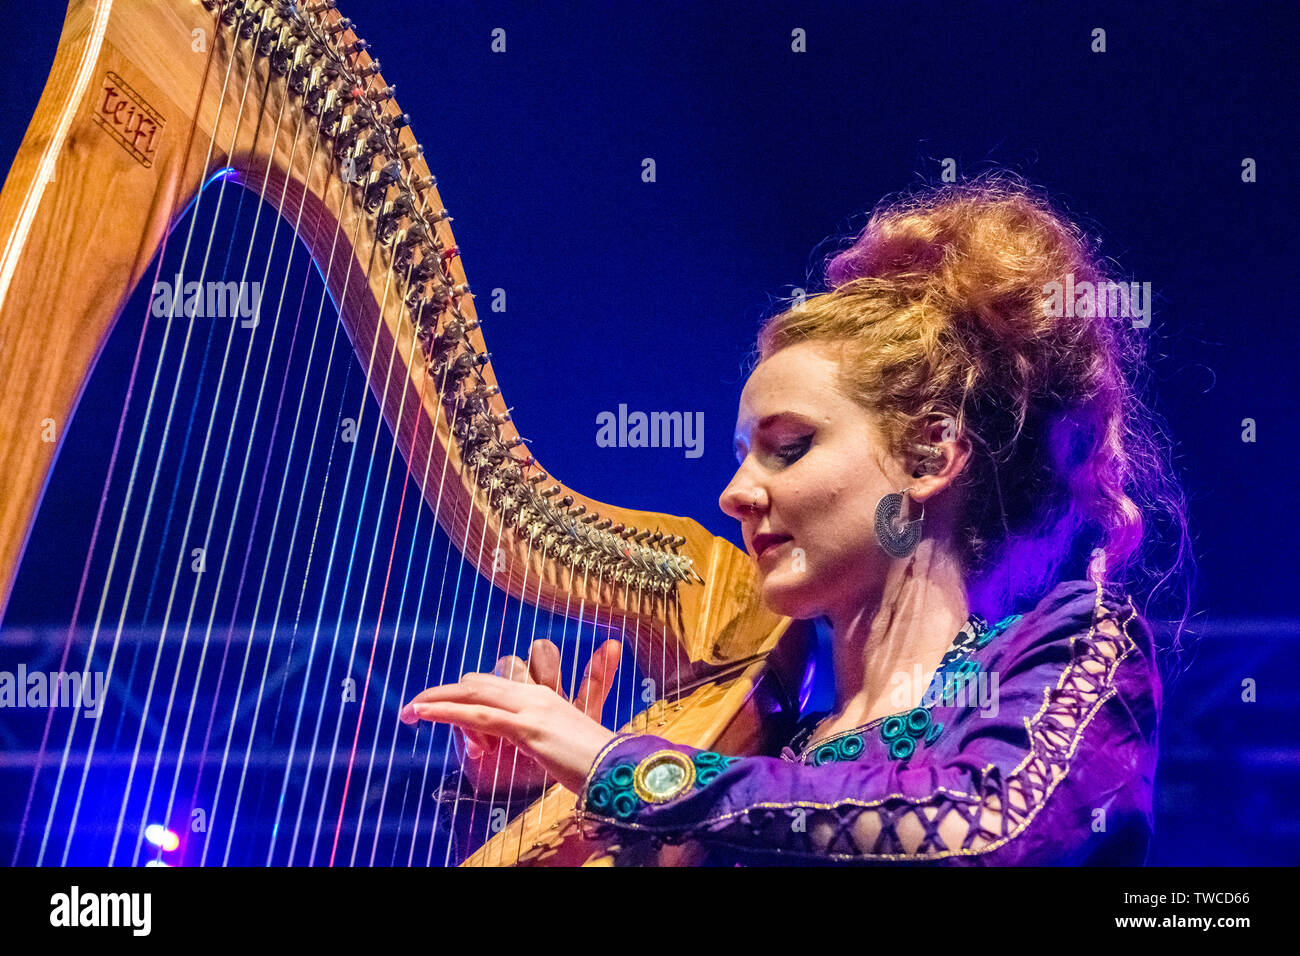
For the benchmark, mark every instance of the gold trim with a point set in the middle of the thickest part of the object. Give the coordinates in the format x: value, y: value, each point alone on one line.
x: 654, y: 760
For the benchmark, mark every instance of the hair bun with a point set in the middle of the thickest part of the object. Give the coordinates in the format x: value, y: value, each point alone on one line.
x: 983, y: 250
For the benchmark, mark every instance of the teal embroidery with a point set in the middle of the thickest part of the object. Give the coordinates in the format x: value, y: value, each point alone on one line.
x: 709, y: 766
x: 599, y: 796
x: 845, y: 748
x: 902, y: 731
x: 851, y: 747
x: 612, y: 792
x: 826, y: 753
x: 626, y: 804
x: 621, y: 776
x: 901, y: 748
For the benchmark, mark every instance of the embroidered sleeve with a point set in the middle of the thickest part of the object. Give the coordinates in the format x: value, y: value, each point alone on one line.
x: 1072, y: 743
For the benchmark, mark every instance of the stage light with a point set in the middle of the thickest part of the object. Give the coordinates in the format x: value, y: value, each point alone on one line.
x: 159, y: 835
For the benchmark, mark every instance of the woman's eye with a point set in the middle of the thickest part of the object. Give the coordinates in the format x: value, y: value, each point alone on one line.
x: 793, y: 452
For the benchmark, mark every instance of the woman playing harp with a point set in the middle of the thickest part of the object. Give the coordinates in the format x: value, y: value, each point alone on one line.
x: 925, y: 452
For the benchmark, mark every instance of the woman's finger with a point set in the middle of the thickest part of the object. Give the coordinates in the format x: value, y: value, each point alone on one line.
x: 512, y: 668
x: 598, y: 678
x: 473, y: 744
x: 485, y: 689
x: 544, y: 664
x: 470, y: 717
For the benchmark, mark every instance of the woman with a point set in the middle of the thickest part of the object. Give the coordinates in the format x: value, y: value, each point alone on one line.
x: 927, y: 447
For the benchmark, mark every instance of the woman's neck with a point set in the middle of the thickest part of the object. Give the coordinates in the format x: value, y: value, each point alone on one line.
x: 887, y: 646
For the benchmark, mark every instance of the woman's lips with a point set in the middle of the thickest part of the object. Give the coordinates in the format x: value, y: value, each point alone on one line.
x: 764, y: 543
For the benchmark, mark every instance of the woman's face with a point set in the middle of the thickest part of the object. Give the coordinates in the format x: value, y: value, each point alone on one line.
x: 813, y: 466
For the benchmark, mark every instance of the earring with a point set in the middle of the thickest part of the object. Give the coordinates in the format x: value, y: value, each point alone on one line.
x: 897, y: 543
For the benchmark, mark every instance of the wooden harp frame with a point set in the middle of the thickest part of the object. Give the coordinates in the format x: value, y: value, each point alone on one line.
x: 129, y: 129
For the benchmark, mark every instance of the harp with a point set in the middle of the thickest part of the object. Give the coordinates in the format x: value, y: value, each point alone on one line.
x: 138, y: 126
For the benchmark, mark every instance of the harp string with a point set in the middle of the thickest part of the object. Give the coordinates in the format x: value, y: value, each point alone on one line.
x: 360, y: 218
x: 239, y: 592
x: 225, y: 551
x: 514, y: 762
x: 207, y: 537
x: 558, y: 688
x: 374, y: 644
x: 428, y: 675
x: 410, y: 654
x: 63, y: 763
x: 269, y: 547
x: 175, y: 580
x: 463, y: 657
x: 103, y: 501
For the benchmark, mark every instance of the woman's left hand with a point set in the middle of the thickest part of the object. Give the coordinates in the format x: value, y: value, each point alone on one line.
x: 561, y: 738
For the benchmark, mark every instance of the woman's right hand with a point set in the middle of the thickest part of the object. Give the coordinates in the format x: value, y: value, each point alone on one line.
x: 492, y: 765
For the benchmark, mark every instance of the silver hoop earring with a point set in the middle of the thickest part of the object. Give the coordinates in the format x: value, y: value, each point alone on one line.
x: 897, y: 543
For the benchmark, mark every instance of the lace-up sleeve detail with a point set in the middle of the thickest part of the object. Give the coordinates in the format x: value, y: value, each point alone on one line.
x: 1059, y: 772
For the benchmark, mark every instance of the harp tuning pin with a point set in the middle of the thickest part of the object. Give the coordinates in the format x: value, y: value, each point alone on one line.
x: 629, y: 531
x: 577, y: 510
x: 515, y: 442
x: 551, y: 491
x: 441, y: 214
x: 338, y: 26
x: 320, y: 7
x: 604, y: 524
x: 537, y: 478
x: 370, y: 69
x: 656, y: 537
x: 356, y: 47
x: 640, y: 536
x: 390, y: 173
x: 617, y: 529
x: 400, y: 120
x: 588, y: 519
x: 380, y: 96
x: 409, y: 153
x: 566, y: 501
x: 502, y: 417
x: 427, y: 182
x: 462, y: 289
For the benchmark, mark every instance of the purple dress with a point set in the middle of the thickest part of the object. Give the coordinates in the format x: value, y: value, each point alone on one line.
x: 1036, y: 744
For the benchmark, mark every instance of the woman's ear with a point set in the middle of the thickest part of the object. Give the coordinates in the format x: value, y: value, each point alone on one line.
x: 941, y: 456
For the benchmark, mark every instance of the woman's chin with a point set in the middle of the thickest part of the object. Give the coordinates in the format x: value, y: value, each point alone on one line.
x: 789, y: 594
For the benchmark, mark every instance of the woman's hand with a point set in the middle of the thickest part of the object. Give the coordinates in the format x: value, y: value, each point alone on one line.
x: 517, y: 725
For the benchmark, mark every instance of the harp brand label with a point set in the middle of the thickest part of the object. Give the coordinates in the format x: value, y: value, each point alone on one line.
x: 123, y: 114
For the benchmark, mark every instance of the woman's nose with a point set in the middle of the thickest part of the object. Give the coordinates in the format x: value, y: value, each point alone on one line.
x: 741, y: 497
